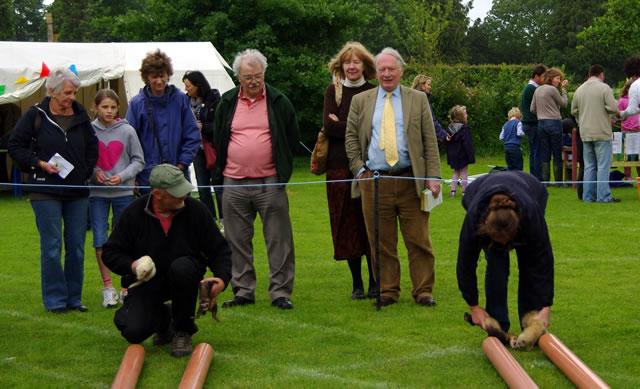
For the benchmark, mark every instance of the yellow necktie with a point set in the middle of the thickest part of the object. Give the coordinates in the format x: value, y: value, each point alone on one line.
x: 388, y: 133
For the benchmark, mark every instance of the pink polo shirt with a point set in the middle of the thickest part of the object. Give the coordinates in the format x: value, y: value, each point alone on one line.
x: 250, y: 152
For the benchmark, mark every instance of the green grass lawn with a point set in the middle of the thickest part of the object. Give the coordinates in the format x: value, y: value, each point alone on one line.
x: 329, y: 340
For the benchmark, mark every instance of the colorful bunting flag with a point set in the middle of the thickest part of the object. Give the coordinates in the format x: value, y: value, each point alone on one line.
x: 73, y: 69
x: 2, y: 88
x: 45, y: 70
x: 22, y: 80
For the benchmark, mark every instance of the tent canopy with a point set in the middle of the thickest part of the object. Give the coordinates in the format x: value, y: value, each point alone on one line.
x: 24, y: 65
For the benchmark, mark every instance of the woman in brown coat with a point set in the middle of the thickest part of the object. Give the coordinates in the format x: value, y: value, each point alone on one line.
x: 352, y: 67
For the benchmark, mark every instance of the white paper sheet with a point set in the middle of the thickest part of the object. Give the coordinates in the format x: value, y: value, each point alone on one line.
x: 616, y: 145
x: 632, y: 143
x: 65, y: 166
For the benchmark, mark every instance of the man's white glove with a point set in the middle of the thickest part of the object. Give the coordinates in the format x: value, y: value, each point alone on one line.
x: 145, y: 269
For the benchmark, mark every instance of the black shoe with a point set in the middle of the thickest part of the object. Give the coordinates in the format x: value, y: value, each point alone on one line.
x: 427, y: 301
x: 614, y: 200
x: 282, y: 303
x: 238, y: 300
x: 371, y: 292
x: 58, y: 310
x: 182, y: 346
x: 357, y: 294
x: 166, y: 335
x: 385, y: 301
x: 79, y: 308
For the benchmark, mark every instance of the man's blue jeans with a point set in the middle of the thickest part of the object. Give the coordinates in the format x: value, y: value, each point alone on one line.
x: 534, y: 144
x: 597, y: 165
x: 61, y: 287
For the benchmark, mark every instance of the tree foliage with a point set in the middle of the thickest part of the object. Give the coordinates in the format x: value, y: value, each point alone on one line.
x: 537, y: 31
x: 613, y: 35
x: 28, y: 21
x: 8, y: 30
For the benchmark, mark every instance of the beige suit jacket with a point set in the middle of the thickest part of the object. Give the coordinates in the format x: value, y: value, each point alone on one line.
x: 418, y: 130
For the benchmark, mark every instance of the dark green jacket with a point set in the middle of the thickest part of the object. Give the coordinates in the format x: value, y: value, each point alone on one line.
x: 528, y: 117
x: 283, y: 125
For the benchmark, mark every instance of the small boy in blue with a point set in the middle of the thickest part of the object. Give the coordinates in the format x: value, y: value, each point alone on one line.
x: 511, y: 135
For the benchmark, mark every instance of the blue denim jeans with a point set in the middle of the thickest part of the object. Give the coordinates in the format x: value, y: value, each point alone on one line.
x: 204, y: 176
x: 534, y: 145
x: 513, y: 156
x: 597, y: 165
x: 550, y: 133
x: 61, y: 287
x: 99, y: 211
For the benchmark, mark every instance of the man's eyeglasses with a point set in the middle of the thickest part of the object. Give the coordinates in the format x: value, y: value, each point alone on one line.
x: 256, y: 77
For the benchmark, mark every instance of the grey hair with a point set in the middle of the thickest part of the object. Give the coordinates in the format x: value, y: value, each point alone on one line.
x: 393, y: 52
x: 255, y: 58
x: 58, y: 76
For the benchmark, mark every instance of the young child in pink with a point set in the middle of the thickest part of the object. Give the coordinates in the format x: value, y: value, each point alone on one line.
x: 629, y: 125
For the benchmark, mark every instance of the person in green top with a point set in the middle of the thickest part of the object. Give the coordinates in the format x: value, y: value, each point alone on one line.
x: 530, y: 120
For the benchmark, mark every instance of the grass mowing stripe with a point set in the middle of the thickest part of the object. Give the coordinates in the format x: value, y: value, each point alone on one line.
x: 293, y: 371
x: 53, y: 320
x: 51, y: 374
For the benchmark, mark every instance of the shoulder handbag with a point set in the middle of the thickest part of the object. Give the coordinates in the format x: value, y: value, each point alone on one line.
x: 209, y: 153
x: 155, y: 130
x: 321, y: 148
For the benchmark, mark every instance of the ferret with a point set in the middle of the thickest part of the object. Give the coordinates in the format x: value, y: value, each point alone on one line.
x: 493, y: 328
x: 533, y: 330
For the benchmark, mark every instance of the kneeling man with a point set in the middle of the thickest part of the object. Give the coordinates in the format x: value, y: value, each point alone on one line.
x: 181, y: 238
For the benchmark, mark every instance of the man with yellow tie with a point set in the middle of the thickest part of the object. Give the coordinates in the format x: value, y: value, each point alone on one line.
x: 390, y: 130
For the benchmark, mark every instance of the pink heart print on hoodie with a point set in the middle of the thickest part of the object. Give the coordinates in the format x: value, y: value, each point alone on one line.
x: 109, y: 155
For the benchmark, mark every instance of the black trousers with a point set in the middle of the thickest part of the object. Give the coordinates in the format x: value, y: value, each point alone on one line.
x: 144, y: 312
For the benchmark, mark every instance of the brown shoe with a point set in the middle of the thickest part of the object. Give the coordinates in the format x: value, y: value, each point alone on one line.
x: 385, y: 301
x: 427, y: 301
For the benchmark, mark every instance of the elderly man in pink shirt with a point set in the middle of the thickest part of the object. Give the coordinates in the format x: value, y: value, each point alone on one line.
x: 256, y: 134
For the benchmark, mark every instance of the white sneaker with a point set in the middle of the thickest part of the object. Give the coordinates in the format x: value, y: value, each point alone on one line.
x: 109, y: 297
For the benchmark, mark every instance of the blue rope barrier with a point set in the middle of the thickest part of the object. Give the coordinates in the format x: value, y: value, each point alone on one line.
x: 446, y: 181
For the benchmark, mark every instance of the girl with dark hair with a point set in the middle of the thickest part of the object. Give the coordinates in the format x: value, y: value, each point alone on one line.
x: 505, y: 211
x: 203, y: 101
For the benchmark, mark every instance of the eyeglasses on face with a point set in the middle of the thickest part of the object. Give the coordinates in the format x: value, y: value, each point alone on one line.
x: 256, y: 77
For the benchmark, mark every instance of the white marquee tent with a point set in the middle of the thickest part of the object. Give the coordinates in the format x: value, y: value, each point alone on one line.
x: 21, y: 64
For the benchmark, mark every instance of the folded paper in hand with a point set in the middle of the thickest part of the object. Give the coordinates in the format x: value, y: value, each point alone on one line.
x: 428, y: 202
x: 65, y: 166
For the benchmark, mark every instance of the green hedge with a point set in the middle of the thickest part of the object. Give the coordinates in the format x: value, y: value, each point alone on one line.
x: 488, y: 92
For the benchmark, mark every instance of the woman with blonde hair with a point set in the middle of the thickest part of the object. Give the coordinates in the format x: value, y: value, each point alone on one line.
x: 423, y: 83
x: 460, y: 152
x: 546, y: 104
x: 352, y: 67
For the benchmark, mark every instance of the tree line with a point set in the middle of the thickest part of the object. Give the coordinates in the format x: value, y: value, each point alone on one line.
x: 299, y: 37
